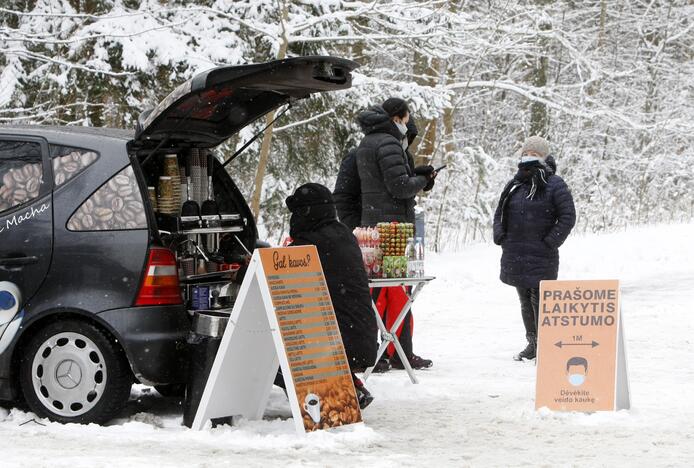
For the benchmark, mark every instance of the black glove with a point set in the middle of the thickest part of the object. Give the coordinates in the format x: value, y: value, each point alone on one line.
x: 428, y: 172
x: 430, y: 184
x: 424, y: 170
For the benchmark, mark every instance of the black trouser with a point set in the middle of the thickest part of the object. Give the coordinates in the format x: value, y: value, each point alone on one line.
x: 529, y: 300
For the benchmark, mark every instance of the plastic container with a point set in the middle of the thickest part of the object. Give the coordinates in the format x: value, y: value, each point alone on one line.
x: 203, y: 343
x: 412, y: 261
x: 419, y: 252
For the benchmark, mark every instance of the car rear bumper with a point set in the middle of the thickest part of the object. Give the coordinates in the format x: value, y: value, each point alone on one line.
x: 154, y: 340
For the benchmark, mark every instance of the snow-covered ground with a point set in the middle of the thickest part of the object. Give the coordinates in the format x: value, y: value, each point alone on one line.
x: 475, y: 407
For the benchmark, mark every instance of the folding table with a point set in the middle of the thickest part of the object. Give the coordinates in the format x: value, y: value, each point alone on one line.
x: 389, y: 336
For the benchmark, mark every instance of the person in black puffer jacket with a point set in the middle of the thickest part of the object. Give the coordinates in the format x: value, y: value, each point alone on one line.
x: 314, y: 222
x: 533, y: 219
x: 389, y: 183
x: 347, y: 193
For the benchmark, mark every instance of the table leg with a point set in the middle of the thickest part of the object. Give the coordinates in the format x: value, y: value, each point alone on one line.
x: 381, y: 350
x: 406, y: 308
x: 405, y: 361
x: 385, y: 339
x: 390, y: 336
x: 393, y: 331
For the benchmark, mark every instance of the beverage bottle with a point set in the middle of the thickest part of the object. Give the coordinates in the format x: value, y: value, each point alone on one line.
x: 411, y: 254
x: 419, y: 254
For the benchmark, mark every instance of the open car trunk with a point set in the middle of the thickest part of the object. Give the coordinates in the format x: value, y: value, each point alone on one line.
x: 173, y: 144
x: 214, y: 105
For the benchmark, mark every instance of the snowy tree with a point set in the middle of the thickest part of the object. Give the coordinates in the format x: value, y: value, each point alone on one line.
x: 609, y: 83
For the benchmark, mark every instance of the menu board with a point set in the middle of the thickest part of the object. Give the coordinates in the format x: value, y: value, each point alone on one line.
x: 319, y: 369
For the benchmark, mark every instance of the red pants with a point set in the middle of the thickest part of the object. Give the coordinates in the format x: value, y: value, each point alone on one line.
x: 389, y: 302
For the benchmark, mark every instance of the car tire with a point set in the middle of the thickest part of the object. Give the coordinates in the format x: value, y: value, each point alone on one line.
x: 71, y: 372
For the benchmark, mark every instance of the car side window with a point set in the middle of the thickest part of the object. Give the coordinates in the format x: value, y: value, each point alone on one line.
x: 21, y: 173
x: 116, y: 205
x: 68, y: 162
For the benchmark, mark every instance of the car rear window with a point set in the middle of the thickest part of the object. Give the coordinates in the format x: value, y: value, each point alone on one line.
x: 116, y: 205
x: 21, y: 173
x: 68, y: 162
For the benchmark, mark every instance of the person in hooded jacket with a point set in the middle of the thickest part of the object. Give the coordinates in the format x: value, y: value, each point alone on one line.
x: 534, y: 217
x: 314, y: 222
x: 389, y: 182
x: 389, y: 185
x: 347, y: 193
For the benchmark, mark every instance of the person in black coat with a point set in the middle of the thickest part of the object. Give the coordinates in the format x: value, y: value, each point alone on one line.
x: 533, y: 219
x: 389, y: 183
x: 314, y: 222
x: 347, y: 193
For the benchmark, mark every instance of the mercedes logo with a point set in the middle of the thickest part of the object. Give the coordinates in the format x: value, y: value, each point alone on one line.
x: 68, y: 374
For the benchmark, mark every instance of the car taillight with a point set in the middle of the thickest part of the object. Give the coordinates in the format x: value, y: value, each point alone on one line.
x: 160, y: 286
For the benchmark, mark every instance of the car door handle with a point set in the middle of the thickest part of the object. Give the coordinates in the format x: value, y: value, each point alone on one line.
x: 18, y: 261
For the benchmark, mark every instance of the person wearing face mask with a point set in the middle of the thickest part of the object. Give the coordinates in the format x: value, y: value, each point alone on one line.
x: 389, y: 185
x: 347, y: 192
x: 534, y: 217
x: 389, y: 180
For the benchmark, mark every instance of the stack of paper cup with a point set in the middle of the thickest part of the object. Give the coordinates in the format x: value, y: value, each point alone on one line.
x: 171, y: 170
x: 153, y: 197
x: 166, y: 201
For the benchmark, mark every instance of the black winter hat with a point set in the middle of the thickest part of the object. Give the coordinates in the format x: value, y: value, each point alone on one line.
x: 309, y: 195
x: 395, y: 106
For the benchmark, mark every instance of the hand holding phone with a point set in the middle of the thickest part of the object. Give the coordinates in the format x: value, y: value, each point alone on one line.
x: 436, y: 171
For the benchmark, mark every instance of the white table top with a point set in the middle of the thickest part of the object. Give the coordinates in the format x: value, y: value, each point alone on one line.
x: 386, y: 282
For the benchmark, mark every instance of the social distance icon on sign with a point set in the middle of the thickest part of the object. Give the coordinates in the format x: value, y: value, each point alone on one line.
x: 581, y: 363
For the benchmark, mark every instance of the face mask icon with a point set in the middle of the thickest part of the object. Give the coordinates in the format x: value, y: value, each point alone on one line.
x: 576, y: 370
x: 577, y: 379
x: 312, y: 406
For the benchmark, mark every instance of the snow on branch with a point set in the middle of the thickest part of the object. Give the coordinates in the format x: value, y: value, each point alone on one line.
x: 304, y: 122
x: 69, y: 65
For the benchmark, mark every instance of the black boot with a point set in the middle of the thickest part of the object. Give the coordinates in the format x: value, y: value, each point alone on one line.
x: 530, y: 351
x: 363, y: 395
x: 416, y: 362
x: 383, y: 365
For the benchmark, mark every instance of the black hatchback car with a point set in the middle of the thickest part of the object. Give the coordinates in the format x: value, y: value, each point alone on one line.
x: 95, y: 280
